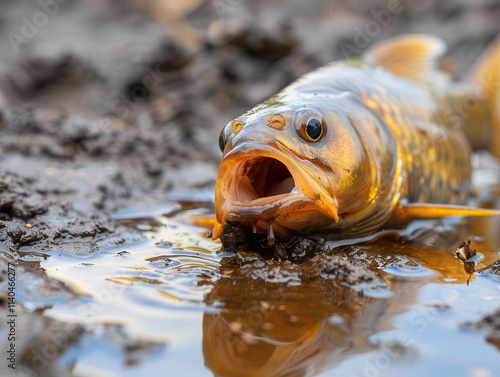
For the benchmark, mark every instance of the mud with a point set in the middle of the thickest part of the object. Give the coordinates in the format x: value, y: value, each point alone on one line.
x: 238, y: 238
x: 492, y: 270
x: 109, y: 120
x: 32, y: 225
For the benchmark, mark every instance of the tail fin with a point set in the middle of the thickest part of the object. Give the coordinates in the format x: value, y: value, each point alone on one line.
x: 486, y: 76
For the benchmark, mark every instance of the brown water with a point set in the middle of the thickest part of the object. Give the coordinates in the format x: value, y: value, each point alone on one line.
x: 202, y: 313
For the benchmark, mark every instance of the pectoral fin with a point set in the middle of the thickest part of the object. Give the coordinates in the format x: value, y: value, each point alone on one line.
x: 203, y: 221
x: 409, y: 211
x: 413, y: 56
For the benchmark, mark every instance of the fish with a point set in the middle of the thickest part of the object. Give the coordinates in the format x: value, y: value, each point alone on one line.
x: 360, y: 145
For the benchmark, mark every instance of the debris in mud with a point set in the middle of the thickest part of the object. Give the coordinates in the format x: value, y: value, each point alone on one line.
x: 31, y: 223
x: 162, y: 261
x: 491, y: 270
x: 465, y: 251
x: 313, y: 270
x: 237, y: 238
x: 343, y: 272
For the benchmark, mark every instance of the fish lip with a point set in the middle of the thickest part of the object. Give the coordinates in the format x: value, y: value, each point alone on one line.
x: 245, y: 211
x: 309, y: 193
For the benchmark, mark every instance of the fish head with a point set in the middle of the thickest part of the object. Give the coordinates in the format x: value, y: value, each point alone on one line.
x: 302, y: 167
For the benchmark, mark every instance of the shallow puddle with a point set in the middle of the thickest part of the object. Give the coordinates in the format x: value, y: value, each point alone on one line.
x: 399, y: 308
x: 396, y: 303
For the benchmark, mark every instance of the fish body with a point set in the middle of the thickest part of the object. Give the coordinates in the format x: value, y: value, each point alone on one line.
x: 353, y: 146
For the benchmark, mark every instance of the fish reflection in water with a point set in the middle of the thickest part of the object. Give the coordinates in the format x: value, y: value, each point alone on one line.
x: 273, y: 317
x: 280, y: 328
x: 343, y: 153
x: 284, y: 319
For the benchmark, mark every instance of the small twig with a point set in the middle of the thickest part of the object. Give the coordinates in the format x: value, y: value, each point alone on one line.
x: 467, y: 253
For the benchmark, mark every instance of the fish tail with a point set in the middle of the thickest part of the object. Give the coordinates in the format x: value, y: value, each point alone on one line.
x: 485, y: 75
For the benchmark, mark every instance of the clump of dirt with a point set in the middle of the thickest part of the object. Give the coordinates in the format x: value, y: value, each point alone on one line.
x: 312, y: 268
x: 342, y: 271
x: 492, y: 270
x: 29, y: 222
x: 236, y: 238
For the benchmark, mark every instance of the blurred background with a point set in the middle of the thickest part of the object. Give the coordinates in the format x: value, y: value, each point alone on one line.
x: 151, y: 83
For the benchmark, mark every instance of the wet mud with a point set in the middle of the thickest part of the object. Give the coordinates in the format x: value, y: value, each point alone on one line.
x: 109, y: 120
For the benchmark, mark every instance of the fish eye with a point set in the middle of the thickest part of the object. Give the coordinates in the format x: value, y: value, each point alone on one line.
x: 222, y: 141
x: 310, y: 125
x: 314, y: 129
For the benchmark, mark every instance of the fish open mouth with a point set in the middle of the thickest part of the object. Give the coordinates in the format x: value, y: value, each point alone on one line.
x: 265, y: 187
x: 260, y: 185
x: 263, y: 180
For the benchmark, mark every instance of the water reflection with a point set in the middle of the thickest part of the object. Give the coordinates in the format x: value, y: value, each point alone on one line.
x: 282, y: 329
x: 247, y: 316
x: 275, y: 318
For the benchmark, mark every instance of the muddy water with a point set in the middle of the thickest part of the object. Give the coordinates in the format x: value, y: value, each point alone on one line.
x: 395, y: 304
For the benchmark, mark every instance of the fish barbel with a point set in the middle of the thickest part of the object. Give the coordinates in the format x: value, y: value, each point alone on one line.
x: 356, y: 145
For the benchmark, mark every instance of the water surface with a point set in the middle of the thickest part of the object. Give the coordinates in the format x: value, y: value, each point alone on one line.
x: 391, y: 305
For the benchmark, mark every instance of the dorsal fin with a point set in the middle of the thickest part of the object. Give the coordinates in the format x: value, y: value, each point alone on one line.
x: 413, y: 56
